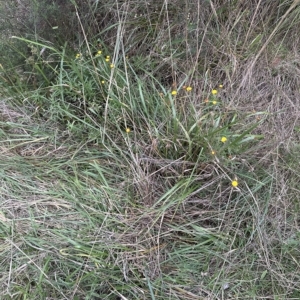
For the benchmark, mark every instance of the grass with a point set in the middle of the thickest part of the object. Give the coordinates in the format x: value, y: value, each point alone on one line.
x: 128, y: 176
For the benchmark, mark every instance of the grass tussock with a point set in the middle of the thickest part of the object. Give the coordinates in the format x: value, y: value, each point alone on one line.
x: 149, y: 150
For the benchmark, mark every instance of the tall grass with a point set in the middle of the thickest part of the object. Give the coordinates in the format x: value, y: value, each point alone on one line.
x: 151, y: 154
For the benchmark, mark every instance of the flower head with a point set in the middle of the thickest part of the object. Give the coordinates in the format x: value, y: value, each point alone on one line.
x: 78, y: 55
x: 213, y: 152
x: 112, y: 66
x: 174, y: 93
x: 214, y: 102
x: 220, y: 85
x: 223, y: 139
x: 214, y: 92
x: 234, y: 183
x: 188, y: 88
x: 102, y: 81
x: 127, y: 130
x: 98, y: 53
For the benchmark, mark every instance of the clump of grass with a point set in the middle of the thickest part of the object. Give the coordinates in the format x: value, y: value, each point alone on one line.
x: 127, y: 178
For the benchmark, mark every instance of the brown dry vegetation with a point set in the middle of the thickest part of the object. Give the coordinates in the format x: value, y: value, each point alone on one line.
x: 89, y: 211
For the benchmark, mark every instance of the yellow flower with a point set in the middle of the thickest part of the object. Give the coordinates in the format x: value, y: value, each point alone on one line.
x: 214, y: 102
x: 188, y: 88
x: 213, y: 152
x: 127, y: 130
x: 220, y: 85
x: 234, y: 183
x: 78, y: 55
x: 174, y: 93
x: 107, y: 59
x: 223, y: 139
x: 102, y: 81
x: 107, y: 56
x: 112, y: 66
x: 214, y: 92
x: 99, y: 53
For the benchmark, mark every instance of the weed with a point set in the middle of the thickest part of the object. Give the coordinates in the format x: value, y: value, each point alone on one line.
x: 151, y: 153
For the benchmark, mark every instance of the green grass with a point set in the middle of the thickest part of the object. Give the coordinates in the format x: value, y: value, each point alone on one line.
x: 113, y: 187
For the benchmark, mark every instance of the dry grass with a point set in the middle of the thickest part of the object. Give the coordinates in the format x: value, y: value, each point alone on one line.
x: 90, y: 211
